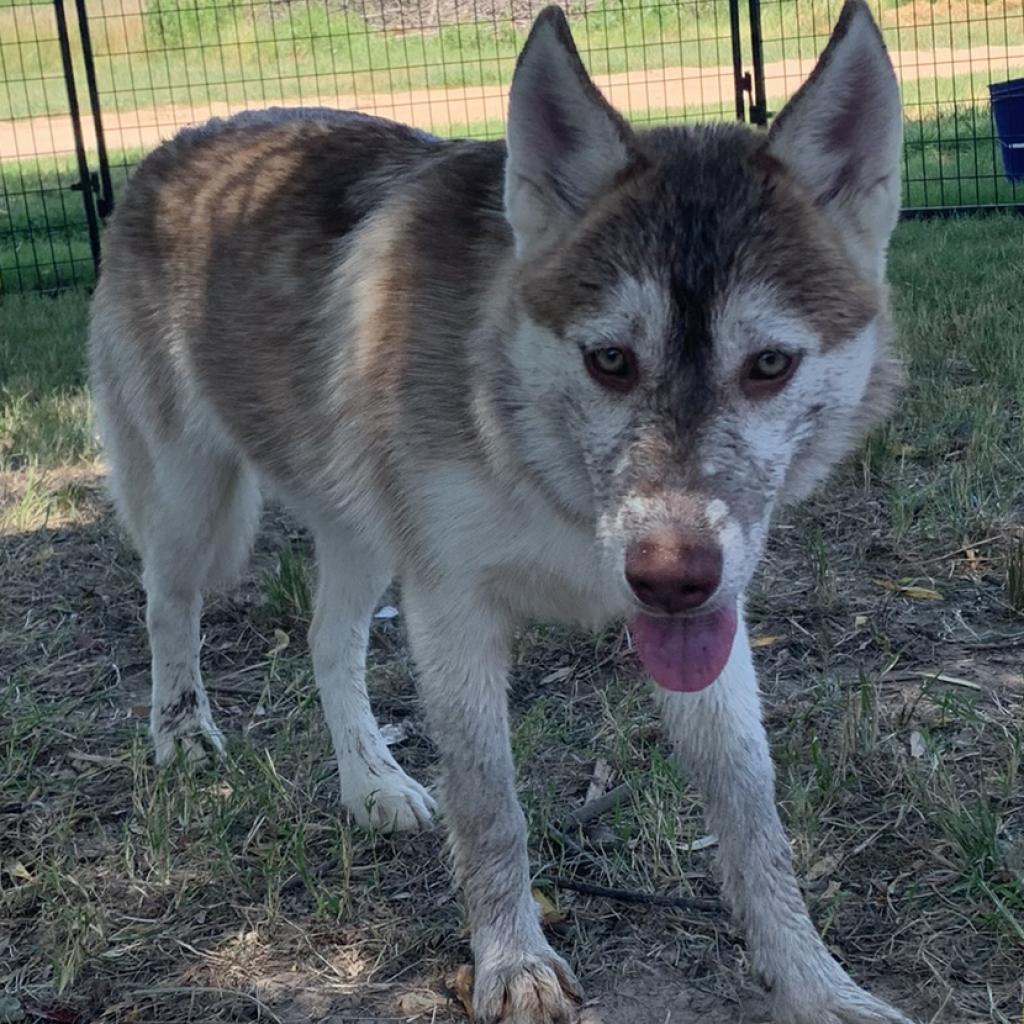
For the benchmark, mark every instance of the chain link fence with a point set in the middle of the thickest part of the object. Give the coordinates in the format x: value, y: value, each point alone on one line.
x: 88, y: 87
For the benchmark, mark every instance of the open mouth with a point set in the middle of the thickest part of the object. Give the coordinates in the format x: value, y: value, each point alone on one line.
x: 685, y: 654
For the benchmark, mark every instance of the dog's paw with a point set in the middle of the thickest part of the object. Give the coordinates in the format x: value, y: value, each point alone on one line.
x: 192, y: 730
x: 845, y: 1003
x: 533, y: 988
x: 383, y: 798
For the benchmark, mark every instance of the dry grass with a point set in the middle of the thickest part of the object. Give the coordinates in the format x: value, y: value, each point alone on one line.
x: 890, y: 638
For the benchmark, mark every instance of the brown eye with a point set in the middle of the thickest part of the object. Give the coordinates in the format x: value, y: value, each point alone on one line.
x: 613, y: 367
x: 767, y: 371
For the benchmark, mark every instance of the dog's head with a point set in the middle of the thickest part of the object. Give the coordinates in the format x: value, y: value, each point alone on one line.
x: 702, y: 327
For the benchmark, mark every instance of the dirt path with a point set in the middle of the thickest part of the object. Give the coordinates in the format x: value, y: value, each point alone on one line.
x: 435, y: 109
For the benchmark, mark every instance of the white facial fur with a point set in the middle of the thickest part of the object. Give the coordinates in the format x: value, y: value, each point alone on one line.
x: 748, y: 455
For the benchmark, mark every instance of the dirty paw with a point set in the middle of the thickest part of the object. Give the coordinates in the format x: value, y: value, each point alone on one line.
x: 532, y: 989
x: 386, y: 799
x: 188, y: 726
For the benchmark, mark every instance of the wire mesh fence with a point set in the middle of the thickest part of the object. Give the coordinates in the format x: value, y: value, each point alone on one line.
x: 444, y: 65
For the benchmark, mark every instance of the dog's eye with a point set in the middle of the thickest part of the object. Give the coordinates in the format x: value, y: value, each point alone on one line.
x: 766, y: 371
x: 613, y: 367
x: 771, y: 365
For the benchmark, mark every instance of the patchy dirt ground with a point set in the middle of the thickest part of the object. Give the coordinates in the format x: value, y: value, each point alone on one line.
x: 238, y: 892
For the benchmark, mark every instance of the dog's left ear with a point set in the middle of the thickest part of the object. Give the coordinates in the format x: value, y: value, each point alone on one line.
x: 566, y: 144
x: 841, y: 135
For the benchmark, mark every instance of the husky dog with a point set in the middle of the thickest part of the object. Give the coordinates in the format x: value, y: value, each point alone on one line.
x: 567, y: 376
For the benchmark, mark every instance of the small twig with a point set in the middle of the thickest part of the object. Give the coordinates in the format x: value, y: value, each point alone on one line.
x: 931, y: 677
x: 630, y: 896
x: 962, y: 550
x: 595, y: 808
x: 936, y: 676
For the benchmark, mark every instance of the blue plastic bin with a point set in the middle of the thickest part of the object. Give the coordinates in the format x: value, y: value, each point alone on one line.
x: 1008, y: 113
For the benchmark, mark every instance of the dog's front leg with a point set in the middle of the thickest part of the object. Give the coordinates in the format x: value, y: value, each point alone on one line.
x: 720, y: 738
x: 461, y: 651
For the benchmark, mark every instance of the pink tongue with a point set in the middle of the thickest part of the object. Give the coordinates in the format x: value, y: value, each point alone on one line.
x: 685, y: 654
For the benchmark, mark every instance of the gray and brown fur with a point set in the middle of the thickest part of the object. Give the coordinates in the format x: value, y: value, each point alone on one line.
x: 389, y: 331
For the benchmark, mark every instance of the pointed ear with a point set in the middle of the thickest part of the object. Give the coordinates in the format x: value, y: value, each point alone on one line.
x: 566, y: 144
x: 841, y: 135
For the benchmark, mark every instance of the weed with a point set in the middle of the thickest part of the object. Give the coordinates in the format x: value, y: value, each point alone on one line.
x: 289, y: 589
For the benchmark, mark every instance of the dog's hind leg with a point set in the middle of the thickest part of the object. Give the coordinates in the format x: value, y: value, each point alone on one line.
x: 721, y: 740
x: 195, y: 535
x: 350, y: 579
x: 192, y: 508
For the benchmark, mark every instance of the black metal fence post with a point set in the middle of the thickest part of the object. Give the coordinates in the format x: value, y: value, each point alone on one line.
x: 759, y: 101
x: 738, y: 77
x: 105, y: 202
x: 84, y: 177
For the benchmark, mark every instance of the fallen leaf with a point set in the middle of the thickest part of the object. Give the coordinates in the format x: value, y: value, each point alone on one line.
x: 18, y: 871
x: 831, y: 890
x: 387, y: 612
x: 599, y: 780
x: 822, y: 868
x: 918, y: 747
x: 549, y: 913
x: 558, y: 675
x: 281, y: 641
x: 418, y: 1004
x: 765, y: 641
x: 910, y: 590
x: 704, y: 843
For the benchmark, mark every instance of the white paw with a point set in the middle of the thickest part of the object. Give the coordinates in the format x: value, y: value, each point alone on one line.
x: 186, y: 723
x: 380, y: 796
x: 845, y: 1003
x: 526, y: 988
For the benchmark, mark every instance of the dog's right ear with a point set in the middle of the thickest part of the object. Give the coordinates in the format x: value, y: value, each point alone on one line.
x: 566, y: 144
x: 841, y: 135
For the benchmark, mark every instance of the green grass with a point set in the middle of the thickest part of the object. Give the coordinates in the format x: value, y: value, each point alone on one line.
x: 43, y: 407
x: 959, y: 440
x: 176, y: 51
x: 958, y: 298
x: 951, y: 159
x: 289, y: 590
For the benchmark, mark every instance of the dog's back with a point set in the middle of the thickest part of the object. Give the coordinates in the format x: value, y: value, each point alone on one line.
x: 248, y: 255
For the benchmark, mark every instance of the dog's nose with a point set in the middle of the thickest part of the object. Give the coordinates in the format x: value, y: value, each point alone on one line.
x: 673, y: 573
